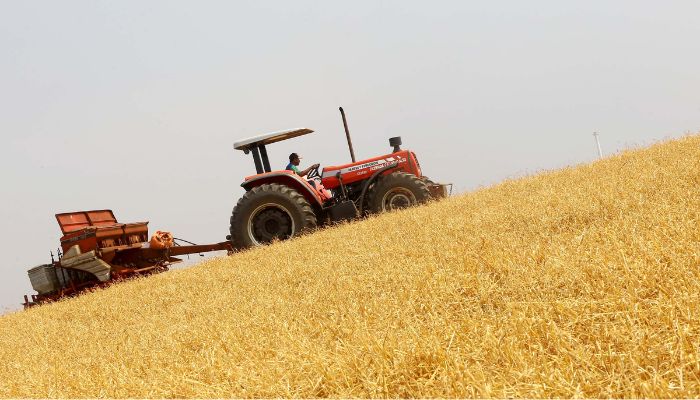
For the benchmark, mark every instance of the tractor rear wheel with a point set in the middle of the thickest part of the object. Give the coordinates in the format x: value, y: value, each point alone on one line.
x: 270, y: 212
x: 396, y: 191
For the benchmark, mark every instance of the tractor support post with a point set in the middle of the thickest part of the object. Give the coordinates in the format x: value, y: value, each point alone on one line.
x: 347, y: 134
x: 265, y: 159
x: 256, y: 159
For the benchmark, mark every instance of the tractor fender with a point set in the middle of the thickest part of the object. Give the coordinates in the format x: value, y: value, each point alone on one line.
x: 287, y: 178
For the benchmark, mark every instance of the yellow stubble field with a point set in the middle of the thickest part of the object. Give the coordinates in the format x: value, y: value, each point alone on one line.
x: 580, y: 282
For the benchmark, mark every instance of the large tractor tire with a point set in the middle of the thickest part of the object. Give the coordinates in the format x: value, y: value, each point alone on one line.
x: 427, y: 180
x: 270, y: 212
x: 396, y: 191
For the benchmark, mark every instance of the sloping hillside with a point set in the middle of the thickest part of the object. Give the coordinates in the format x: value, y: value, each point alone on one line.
x: 579, y: 282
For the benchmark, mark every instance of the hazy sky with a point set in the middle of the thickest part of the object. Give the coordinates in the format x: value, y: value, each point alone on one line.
x: 135, y: 105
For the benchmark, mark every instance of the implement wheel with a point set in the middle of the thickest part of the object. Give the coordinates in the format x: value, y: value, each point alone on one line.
x: 396, y: 191
x: 270, y: 212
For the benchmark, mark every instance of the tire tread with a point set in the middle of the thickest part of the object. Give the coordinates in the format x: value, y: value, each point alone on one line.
x: 308, y: 217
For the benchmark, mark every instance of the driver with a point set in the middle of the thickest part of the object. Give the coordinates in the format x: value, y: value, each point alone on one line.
x: 293, y: 165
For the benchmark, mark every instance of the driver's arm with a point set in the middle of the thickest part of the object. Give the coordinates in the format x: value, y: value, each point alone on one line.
x: 306, y: 171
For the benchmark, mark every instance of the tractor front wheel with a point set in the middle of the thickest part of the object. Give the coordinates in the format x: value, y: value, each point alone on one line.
x: 270, y: 212
x: 396, y: 191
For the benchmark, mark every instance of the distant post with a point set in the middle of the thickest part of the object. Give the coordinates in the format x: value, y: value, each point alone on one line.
x: 597, y: 142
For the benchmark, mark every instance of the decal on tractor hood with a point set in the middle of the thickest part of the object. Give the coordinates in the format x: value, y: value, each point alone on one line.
x: 372, y: 165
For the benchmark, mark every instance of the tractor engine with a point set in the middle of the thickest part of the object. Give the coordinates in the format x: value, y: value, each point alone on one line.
x: 348, y: 174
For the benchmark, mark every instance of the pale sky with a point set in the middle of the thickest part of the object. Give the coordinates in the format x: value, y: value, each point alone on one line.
x: 135, y: 105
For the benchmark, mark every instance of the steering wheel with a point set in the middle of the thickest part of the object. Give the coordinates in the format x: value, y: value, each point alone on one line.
x: 313, y: 173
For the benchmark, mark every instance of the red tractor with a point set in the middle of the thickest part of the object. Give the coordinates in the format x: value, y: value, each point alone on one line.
x: 281, y: 204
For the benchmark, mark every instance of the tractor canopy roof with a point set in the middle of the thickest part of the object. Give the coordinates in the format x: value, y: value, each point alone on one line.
x: 269, y: 138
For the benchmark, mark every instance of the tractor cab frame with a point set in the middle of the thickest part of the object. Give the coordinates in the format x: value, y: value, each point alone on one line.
x: 256, y: 145
x: 314, y: 192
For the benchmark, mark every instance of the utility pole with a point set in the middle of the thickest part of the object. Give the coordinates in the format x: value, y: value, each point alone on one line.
x: 597, y: 142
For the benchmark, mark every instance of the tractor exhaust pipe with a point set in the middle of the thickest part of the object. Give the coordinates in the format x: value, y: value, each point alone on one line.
x: 396, y: 143
x: 347, y: 134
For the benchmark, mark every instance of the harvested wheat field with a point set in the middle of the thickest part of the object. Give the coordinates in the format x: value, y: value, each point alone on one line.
x: 581, y: 282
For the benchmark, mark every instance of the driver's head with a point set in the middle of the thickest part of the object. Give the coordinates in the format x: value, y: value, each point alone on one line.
x: 294, y: 159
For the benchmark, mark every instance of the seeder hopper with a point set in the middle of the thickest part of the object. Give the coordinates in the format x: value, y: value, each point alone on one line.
x: 96, y: 251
